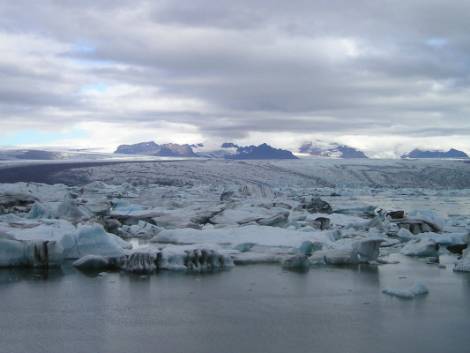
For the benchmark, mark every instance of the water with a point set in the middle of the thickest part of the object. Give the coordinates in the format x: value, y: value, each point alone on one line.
x: 257, y: 308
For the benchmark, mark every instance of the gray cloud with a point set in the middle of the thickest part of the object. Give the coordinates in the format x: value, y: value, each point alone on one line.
x: 235, y: 68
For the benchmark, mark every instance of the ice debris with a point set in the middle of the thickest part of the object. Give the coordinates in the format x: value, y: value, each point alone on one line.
x: 418, y: 289
x: 463, y: 265
x: 420, y: 248
x: 360, y: 252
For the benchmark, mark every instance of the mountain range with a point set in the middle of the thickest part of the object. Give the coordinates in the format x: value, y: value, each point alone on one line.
x: 227, y: 150
x: 331, y: 150
x: 153, y: 149
x: 450, y: 154
x: 233, y: 151
x: 263, y: 151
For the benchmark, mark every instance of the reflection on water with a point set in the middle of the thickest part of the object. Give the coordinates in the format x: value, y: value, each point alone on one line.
x: 11, y: 275
x: 248, y: 309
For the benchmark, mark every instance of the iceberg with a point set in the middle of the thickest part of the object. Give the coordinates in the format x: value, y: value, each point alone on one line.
x: 407, y: 293
x: 98, y: 263
x: 93, y: 240
x: 359, y: 252
x: 54, y: 240
x: 297, y: 262
x: 143, y: 262
x: 420, y: 248
x: 436, y: 222
x: 29, y: 253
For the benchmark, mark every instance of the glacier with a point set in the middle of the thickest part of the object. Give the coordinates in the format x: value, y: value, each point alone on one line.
x: 211, y: 215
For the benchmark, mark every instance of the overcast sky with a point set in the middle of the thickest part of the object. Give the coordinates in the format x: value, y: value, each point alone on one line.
x: 383, y: 76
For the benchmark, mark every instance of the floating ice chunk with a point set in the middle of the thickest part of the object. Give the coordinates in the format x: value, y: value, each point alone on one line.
x: 175, y: 219
x: 366, y: 250
x: 463, y: 265
x: 297, y: 262
x: 12, y: 253
x: 322, y: 223
x: 203, y: 260
x: 93, y: 240
x: 205, y: 216
x: 308, y: 247
x: 15, y: 201
x: 405, y: 235
x: 124, y: 211
x: 278, y: 220
x: 446, y: 239
x: 67, y: 210
x: 41, y: 192
x: 241, y: 215
x: 142, y: 229
x: 99, y: 207
x: 26, y: 229
x: 407, y: 293
x: 315, y: 205
x: 143, y: 262
x: 60, y: 231
x: 194, y: 259
x: 256, y: 190
x: 261, y: 235
x: 244, y: 247
x: 40, y: 210
x: 360, y: 252
x: 71, y: 211
x: 30, y: 253
x: 149, y: 260
x: 92, y: 263
x: 436, y: 222
x: 420, y: 248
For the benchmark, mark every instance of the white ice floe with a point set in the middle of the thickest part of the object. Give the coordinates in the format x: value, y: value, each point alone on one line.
x: 97, y: 263
x: 405, y: 235
x: 298, y: 262
x: 432, y: 218
x: 69, y: 209
x: 30, y: 253
x: 142, y: 230
x: 73, y: 242
x: 420, y: 248
x: 94, y: 240
x: 356, y: 252
x: 260, y: 235
x: 41, y: 210
x: 41, y: 192
x: 242, y: 215
x: 418, y: 289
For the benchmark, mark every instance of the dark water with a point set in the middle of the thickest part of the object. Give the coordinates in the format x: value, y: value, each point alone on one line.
x: 249, y: 309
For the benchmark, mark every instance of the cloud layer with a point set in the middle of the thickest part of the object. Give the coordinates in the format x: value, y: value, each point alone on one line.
x: 383, y: 76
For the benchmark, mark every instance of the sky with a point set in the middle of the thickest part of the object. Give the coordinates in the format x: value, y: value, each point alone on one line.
x: 383, y: 76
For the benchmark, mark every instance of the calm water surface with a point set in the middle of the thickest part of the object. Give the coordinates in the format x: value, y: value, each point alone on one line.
x: 257, y: 308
